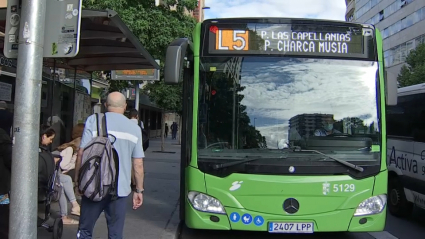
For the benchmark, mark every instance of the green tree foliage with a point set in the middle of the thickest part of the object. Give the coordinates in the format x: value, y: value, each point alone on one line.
x: 414, y: 72
x: 166, y: 96
x: 156, y: 27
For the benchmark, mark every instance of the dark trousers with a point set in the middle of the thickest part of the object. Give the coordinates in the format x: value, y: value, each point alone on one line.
x: 114, y: 212
x: 4, y: 221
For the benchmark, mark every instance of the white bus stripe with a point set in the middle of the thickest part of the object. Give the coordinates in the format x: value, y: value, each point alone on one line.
x: 120, y: 135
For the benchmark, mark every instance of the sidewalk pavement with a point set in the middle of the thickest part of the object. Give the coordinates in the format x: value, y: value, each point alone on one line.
x: 158, y: 218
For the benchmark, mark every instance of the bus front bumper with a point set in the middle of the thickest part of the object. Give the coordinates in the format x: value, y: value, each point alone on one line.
x: 245, y: 220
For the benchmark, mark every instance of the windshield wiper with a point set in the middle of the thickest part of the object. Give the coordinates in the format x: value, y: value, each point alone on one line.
x: 353, y: 166
x: 230, y: 164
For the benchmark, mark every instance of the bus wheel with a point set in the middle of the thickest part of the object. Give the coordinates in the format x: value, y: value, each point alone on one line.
x: 397, y: 202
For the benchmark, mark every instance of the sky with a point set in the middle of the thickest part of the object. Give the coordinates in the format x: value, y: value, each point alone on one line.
x: 319, y: 9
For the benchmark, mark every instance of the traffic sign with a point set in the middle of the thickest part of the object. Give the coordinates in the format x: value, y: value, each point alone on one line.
x: 61, y: 34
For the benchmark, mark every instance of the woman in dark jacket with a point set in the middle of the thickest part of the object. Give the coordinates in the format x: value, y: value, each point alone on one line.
x: 46, y: 161
x: 5, y: 171
x: 46, y: 167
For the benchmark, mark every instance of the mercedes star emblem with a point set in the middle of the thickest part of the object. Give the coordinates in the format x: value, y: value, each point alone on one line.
x: 291, y: 205
x: 291, y: 169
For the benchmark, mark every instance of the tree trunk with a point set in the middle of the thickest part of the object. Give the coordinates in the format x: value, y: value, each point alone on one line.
x: 163, y: 132
x: 180, y: 129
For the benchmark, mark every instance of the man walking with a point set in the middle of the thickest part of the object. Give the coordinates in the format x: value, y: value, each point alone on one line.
x: 134, y: 116
x: 174, y: 130
x: 128, y: 145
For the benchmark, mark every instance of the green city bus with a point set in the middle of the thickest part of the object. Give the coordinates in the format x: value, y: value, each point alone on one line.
x: 283, y: 126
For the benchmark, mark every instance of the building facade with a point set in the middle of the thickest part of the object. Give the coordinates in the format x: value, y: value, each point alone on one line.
x: 401, y: 22
x: 198, y: 13
x: 304, y: 125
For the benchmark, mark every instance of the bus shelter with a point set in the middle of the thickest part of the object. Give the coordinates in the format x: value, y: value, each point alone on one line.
x: 70, y: 93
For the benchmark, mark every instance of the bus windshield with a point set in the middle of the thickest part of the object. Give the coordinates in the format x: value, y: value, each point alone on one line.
x: 268, y: 106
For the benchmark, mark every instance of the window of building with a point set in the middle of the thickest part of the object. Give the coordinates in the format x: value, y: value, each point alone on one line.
x: 421, y: 14
x: 404, y: 23
x: 385, y: 33
x: 350, y: 17
x: 399, y: 53
x: 408, y: 21
x: 366, y: 7
x: 403, y: 52
x: 396, y: 55
x: 410, y: 45
x: 420, y: 40
x: 395, y: 6
x: 381, y: 15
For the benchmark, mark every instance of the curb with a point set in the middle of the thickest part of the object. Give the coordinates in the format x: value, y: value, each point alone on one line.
x: 173, y: 226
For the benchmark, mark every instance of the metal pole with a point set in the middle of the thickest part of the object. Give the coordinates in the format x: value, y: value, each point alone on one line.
x: 91, y: 84
x: 23, y: 200
x: 233, y: 117
x: 74, y: 122
x: 52, y: 96
x: 137, y: 92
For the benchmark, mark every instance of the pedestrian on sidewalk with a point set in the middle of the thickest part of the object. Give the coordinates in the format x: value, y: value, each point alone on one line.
x: 6, y: 118
x: 134, y: 116
x: 5, y: 178
x: 174, y: 129
x: 128, y: 145
x: 166, y: 130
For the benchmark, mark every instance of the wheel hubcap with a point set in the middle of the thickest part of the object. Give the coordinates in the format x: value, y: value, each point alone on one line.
x: 394, y: 197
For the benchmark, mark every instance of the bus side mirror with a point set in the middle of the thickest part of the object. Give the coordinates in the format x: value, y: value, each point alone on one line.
x: 174, y: 59
x: 391, y: 88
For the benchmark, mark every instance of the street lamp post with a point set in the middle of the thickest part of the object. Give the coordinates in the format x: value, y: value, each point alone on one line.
x: 205, y: 8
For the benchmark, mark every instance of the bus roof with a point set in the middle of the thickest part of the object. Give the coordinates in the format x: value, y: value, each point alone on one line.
x: 280, y: 20
x: 411, y: 90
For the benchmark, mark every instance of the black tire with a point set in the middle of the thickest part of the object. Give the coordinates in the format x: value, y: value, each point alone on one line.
x: 397, y: 202
x: 57, y: 228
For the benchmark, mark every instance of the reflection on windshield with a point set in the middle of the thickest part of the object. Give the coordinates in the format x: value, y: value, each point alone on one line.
x: 276, y: 103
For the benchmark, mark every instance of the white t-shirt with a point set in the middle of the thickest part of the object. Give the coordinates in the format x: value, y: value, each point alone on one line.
x: 136, y: 121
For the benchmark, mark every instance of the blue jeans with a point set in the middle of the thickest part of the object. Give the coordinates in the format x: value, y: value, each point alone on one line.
x: 114, y: 212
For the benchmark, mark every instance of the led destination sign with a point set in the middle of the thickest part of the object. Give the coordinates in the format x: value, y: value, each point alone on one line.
x: 279, y: 39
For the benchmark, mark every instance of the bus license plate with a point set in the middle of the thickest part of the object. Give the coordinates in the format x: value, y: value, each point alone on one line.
x: 291, y: 227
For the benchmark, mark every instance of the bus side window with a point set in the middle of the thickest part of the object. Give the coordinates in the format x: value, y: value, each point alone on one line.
x: 419, y: 128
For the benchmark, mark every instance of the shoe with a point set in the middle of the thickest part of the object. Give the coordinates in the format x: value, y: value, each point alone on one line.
x: 70, y: 222
x: 75, y: 211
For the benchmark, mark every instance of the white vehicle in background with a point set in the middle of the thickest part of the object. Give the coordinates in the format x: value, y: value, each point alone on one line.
x: 406, y: 151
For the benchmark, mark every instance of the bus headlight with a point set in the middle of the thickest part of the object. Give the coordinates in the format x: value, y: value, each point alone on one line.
x: 205, y: 203
x: 372, y: 205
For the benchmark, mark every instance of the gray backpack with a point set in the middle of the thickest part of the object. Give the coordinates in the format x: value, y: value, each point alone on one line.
x: 98, y: 175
